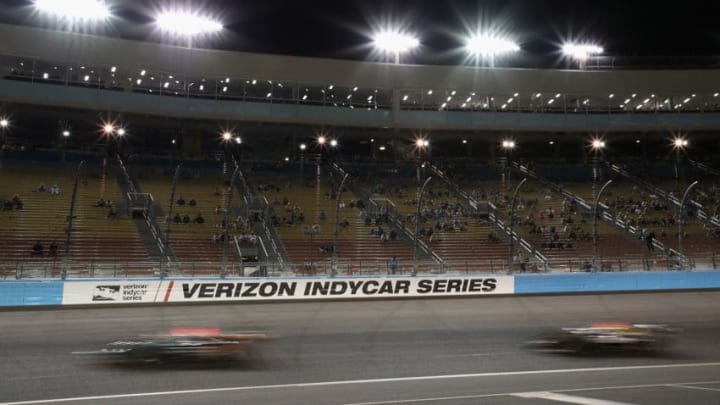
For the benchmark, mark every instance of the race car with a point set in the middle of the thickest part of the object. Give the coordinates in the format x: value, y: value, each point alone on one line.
x: 604, y: 337
x: 182, y: 345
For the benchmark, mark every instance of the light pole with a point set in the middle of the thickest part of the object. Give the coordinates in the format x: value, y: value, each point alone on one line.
x: 484, y: 46
x: 680, y: 216
x: 597, y: 145
x: 172, y: 202
x: 507, y: 146
x: 420, y: 144
x: 333, y: 271
x: 679, y: 144
x: 302, y: 158
x: 71, y: 214
x: 595, y: 209
x: 417, y: 222
x: 228, y: 208
x: 395, y: 43
x: 510, y: 220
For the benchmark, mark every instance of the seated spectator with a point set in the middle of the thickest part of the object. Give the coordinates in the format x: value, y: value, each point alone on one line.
x: 345, y: 223
x: 41, y: 188
x: 180, y: 201
x: 53, y: 249
x: 17, y: 202
x: 216, y: 238
x: 393, y: 235
x: 37, y: 249
x: 322, y: 215
x: 55, y: 189
x: 587, y: 266
x: 192, y: 202
x: 199, y: 219
x: 177, y: 218
x: 112, y: 213
x: 186, y: 219
x: 100, y: 202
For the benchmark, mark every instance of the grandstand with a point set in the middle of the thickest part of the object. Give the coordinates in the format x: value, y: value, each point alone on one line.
x: 393, y: 126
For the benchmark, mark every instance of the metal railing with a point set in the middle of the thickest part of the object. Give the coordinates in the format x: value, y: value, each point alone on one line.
x: 371, y: 267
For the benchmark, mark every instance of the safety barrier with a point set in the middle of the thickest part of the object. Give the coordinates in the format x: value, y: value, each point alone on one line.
x: 190, y: 290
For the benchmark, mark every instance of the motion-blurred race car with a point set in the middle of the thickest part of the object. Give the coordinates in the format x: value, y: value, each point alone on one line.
x: 605, y: 337
x: 205, y: 345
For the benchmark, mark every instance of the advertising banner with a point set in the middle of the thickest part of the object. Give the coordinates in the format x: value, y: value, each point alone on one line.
x: 111, y: 292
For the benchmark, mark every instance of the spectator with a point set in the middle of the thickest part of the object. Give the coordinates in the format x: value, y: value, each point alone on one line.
x: 55, y: 189
x: 17, y: 202
x: 53, y: 249
x: 100, y: 202
x: 649, y: 241
x: 393, y: 265
x: 322, y: 215
x: 112, y: 213
x: 192, y: 202
x: 180, y: 201
x: 41, y: 188
x: 37, y: 249
x: 177, y: 218
x: 186, y: 219
x: 199, y: 219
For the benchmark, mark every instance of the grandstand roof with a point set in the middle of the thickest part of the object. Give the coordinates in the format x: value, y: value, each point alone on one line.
x: 91, y: 50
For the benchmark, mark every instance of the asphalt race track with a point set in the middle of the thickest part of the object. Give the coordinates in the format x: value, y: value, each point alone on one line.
x: 449, y: 351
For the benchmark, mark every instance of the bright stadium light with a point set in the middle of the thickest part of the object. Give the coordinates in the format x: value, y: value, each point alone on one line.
x: 75, y: 9
x: 581, y: 52
x: 187, y: 24
x: 487, y: 46
x: 121, y: 132
x: 226, y: 136
x: 4, y: 123
x: 395, y: 42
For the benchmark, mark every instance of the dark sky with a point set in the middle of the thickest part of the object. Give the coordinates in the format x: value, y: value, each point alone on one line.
x: 639, y: 29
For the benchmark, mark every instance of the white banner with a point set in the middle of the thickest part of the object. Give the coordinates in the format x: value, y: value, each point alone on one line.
x: 109, y: 292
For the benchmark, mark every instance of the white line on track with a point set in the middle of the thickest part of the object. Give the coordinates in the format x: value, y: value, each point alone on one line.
x: 691, y: 387
x: 571, y: 399
x: 368, y: 381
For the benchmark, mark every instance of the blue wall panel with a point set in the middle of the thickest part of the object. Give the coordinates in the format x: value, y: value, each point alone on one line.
x: 23, y: 293
x: 630, y: 281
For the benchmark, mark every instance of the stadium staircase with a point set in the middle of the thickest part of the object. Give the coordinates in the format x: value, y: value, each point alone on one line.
x: 144, y: 212
x: 497, y: 224
x: 704, y: 216
x: 607, y: 216
x: 389, y: 213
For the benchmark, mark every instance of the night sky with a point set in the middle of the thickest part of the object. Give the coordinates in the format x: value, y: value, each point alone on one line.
x: 644, y: 30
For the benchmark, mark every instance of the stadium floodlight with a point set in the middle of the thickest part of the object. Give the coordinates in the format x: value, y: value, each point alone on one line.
x: 66, y: 133
x: 75, y: 10
x: 395, y: 42
x: 487, y: 46
x: 108, y: 128
x: 581, y: 52
x: 508, y: 144
x: 187, y: 23
x: 121, y: 132
x: 597, y: 144
x: 227, y: 135
x: 4, y: 123
x: 321, y: 140
x: 238, y: 140
x: 680, y: 143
